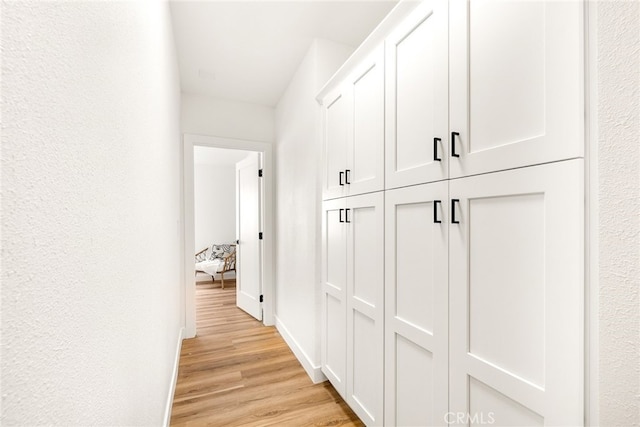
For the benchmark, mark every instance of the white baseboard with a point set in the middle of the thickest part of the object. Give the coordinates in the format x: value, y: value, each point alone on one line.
x: 173, y: 381
x: 314, y: 371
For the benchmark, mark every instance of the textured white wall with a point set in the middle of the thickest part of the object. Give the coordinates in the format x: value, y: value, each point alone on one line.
x: 91, y: 298
x: 214, y: 204
x: 299, y: 196
x: 619, y: 211
x: 203, y: 115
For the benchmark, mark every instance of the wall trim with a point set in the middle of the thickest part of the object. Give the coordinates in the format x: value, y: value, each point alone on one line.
x: 173, y: 381
x: 313, y: 370
x: 592, y: 253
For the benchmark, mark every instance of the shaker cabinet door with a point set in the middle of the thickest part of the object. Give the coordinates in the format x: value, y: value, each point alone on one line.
x: 334, y: 291
x: 365, y: 164
x: 516, y: 296
x: 365, y: 306
x: 335, y: 118
x: 416, y: 305
x: 516, y: 84
x: 416, y: 113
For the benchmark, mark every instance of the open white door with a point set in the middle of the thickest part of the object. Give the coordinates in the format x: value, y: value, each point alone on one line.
x: 248, y: 224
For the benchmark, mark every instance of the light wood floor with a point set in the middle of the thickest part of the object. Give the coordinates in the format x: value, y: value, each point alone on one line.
x: 237, y: 372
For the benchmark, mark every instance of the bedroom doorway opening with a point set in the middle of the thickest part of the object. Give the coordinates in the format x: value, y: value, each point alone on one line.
x: 227, y: 223
x: 214, y: 197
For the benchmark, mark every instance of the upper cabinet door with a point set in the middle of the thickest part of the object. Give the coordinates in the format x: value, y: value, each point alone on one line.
x: 516, y: 70
x: 417, y: 98
x: 335, y: 112
x: 365, y: 170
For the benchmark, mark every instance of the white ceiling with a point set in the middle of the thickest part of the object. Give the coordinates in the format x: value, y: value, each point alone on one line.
x: 248, y: 51
x: 217, y: 156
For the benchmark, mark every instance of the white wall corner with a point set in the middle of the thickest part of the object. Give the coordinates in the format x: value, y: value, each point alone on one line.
x: 173, y: 381
x: 312, y: 368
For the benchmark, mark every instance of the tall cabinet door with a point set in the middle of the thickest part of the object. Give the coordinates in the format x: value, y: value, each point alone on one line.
x: 416, y: 305
x: 417, y: 97
x: 516, y: 294
x: 335, y: 116
x: 516, y: 83
x: 334, y: 291
x: 365, y: 306
x: 365, y: 173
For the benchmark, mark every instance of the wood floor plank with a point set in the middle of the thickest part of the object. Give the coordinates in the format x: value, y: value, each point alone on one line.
x: 237, y: 372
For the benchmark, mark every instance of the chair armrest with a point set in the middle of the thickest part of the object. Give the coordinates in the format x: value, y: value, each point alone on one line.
x: 204, y: 250
x: 229, y: 262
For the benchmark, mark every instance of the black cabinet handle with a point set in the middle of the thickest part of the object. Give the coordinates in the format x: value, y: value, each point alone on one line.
x: 454, y: 202
x: 346, y: 216
x: 347, y: 176
x: 341, y: 178
x: 436, y: 144
x: 436, y: 208
x: 340, y: 215
x: 453, y: 144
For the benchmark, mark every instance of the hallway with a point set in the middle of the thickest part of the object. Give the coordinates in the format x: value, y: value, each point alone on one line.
x: 443, y: 247
x: 239, y: 372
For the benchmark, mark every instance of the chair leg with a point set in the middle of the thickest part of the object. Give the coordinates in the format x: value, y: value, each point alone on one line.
x: 222, y: 279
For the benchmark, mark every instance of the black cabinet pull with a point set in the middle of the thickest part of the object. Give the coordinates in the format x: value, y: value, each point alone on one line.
x: 340, y: 215
x: 453, y: 144
x: 436, y: 208
x: 454, y: 202
x: 347, y: 176
x: 341, y: 178
x: 346, y: 216
x: 436, y: 144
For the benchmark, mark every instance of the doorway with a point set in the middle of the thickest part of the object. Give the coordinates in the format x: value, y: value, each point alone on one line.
x: 265, y: 224
x: 214, y: 173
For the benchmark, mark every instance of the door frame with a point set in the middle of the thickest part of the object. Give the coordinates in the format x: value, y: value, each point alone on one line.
x: 188, y: 261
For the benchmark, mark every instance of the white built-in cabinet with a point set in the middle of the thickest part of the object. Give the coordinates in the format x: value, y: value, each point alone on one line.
x: 353, y: 301
x: 453, y: 219
x: 354, y: 131
x: 335, y: 121
x: 484, y: 286
x: 416, y: 319
x: 417, y: 99
x: 334, y: 294
x: 515, y: 84
x: 516, y: 295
